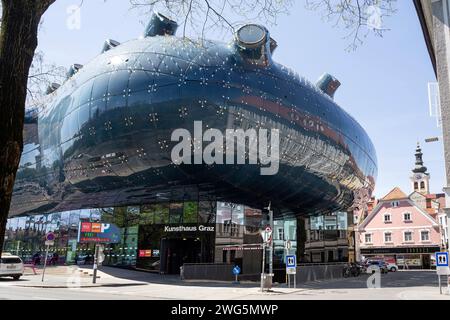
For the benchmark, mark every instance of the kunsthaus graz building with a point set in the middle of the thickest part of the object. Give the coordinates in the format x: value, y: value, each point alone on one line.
x: 102, y: 149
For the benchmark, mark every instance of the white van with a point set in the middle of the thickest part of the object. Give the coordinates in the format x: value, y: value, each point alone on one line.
x: 11, y: 266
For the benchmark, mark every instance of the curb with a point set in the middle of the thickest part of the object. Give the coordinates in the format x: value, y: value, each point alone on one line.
x: 81, y: 286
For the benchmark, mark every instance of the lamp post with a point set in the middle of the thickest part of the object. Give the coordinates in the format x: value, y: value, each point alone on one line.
x: 270, y: 246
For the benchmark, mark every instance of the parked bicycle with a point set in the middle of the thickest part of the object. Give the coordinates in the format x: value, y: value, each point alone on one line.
x: 352, y: 270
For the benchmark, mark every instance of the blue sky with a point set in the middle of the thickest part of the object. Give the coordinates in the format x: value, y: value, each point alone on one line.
x: 384, y: 82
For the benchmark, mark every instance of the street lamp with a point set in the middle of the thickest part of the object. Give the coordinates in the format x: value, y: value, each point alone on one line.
x: 432, y: 140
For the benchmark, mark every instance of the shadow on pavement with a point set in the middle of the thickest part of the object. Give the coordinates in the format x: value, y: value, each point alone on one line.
x: 150, y: 277
x: 12, y: 280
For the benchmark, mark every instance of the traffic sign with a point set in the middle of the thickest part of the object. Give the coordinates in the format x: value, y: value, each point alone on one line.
x: 441, y: 259
x: 443, y: 271
x: 50, y: 236
x: 291, y: 271
x: 291, y: 261
x: 236, y: 270
x: 50, y: 243
x: 267, y: 234
x: 291, y: 264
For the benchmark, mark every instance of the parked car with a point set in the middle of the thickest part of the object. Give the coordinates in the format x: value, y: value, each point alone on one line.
x: 392, y: 267
x: 380, y: 264
x: 84, y: 259
x: 11, y: 266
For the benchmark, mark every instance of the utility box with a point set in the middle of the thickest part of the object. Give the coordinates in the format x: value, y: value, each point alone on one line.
x: 266, y: 280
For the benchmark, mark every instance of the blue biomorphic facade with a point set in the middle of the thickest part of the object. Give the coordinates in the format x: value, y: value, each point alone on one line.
x: 104, y: 138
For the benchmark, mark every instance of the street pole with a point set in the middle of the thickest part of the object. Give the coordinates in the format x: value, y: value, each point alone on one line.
x: 448, y: 285
x: 271, y: 242
x: 45, y: 263
x: 263, y: 266
x: 94, y: 279
x: 295, y: 280
x: 286, y: 252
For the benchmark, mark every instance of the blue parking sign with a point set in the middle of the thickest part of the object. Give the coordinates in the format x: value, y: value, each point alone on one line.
x: 442, y: 259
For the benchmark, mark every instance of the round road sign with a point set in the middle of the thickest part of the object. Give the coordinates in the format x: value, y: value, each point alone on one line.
x: 50, y: 236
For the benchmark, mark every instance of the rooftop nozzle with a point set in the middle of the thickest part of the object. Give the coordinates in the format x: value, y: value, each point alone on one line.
x: 52, y: 88
x: 109, y: 44
x: 160, y: 25
x: 328, y: 84
x: 74, y: 69
x: 255, y: 44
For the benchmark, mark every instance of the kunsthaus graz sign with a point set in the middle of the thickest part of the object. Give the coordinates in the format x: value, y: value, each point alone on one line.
x: 189, y: 228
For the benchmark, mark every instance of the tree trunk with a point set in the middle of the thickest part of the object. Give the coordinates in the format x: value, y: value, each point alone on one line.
x: 18, y: 42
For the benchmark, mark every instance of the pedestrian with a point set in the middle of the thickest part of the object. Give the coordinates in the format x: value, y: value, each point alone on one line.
x: 37, y: 258
x: 55, y: 258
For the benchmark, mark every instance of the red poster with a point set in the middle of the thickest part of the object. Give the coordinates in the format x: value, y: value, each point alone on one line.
x: 145, y: 253
x: 86, y: 227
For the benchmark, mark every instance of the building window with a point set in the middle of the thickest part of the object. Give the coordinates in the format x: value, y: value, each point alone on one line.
x: 425, y: 235
x: 395, y: 204
x: 408, y: 236
x: 368, y: 238
x: 230, y: 228
x: 388, y: 237
x: 416, y: 186
x: 227, y: 226
x: 387, y: 218
x: 407, y: 217
x: 280, y: 234
x: 422, y: 185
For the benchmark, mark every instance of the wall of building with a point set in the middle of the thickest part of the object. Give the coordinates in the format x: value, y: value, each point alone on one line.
x: 377, y: 227
x: 441, y: 35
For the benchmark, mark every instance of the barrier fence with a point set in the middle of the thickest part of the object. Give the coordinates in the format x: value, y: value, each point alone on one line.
x: 224, y: 272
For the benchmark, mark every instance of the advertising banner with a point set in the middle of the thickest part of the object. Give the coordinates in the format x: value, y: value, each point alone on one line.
x: 97, y: 232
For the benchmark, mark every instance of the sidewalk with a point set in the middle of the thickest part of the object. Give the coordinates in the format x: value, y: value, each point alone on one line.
x: 71, y: 277
x: 82, y: 276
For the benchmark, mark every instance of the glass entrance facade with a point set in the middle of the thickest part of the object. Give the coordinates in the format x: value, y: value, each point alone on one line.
x: 162, y: 237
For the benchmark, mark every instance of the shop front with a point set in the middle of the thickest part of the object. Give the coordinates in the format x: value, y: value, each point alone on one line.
x: 404, y: 257
x: 158, y: 238
x: 165, y: 248
x: 162, y: 237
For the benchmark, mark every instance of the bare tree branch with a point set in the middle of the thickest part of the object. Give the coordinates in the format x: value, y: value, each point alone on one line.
x: 358, y: 17
x: 41, y: 76
x: 223, y: 15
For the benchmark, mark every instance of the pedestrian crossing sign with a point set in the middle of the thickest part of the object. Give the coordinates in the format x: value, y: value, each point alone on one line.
x: 442, y: 259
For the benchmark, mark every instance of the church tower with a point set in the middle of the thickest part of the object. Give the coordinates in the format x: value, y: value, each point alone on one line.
x: 420, y: 178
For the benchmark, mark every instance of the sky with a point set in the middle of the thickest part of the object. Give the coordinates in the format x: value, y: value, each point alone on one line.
x: 384, y: 81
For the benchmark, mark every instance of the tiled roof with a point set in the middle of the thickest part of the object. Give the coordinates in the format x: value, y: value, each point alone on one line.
x: 395, y: 194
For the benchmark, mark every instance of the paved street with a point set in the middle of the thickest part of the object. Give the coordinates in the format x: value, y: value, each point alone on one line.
x: 112, y: 285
